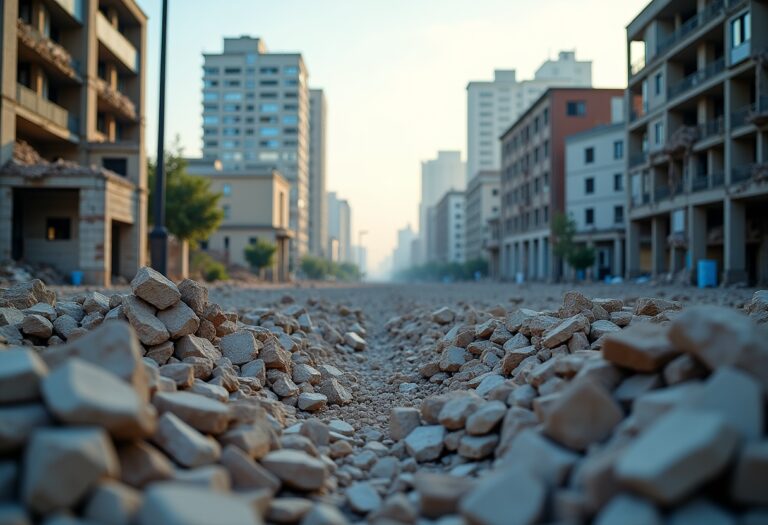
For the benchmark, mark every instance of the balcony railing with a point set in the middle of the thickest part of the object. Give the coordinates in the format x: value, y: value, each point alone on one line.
x: 718, y: 179
x: 742, y: 173
x: 661, y: 193
x: 47, y: 49
x: 709, y: 13
x: 740, y: 117
x: 638, y: 159
x: 117, y: 100
x: 700, y: 183
x: 711, y: 128
x: 117, y: 43
x: 44, y: 108
x: 697, y: 78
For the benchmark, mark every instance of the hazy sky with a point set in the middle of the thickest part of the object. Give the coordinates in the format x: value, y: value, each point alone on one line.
x: 394, y: 73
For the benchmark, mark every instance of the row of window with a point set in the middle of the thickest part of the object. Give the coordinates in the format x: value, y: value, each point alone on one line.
x: 618, y: 215
x: 538, y: 123
x: 618, y: 152
x: 267, y: 107
x: 524, y: 192
x: 618, y: 184
x: 525, y: 221
x: 266, y: 70
x: 214, y: 120
x: 249, y: 84
x: 532, y: 158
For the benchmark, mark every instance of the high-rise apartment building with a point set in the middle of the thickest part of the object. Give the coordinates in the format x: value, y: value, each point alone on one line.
x: 438, y: 176
x: 483, y: 202
x: 533, y: 174
x: 697, y: 139
x: 339, y: 229
x: 73, y: 90
x: 318, y: 214
x: 256, y: 115
x: 492, y: 106
x: 449, y: 228
x: 402, y: 256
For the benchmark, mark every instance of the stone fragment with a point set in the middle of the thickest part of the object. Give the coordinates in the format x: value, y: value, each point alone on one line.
x: 683, y: 368
x: 455, y: 412
x: 255, y: 439
x: 635, y: 386
x: 485, y: 418
x: 185, y: 444
x: 477, y: 447
x: 37, y: 326
x: 141, y: 315
x: 79, y: 393
x: 155, y: 288
x: 54, y: 455
x: 652, y: 306
x: 585, y: 413
x: 324, y: 514
x: 11, y: 316
x: 514, y: 357
x: 296, y: 469
x: 21, y: 372
x: 284, y: 387
x: 202, y: 413
x: 488, y: 383
x: 112, y: 503
x: 161, y: 353
x: 363, y: 498
x: 288, y: 509
x: 179, y: 320
x: 275, y: 357
x: 562, y: 332
x: 303, y: 373
x: 508, y: 497
x: 18, y: 422
x: 683, y: 450
x: 748, y: 485
x: 425, y: 443
x: 312, y: 402
x: 440, y: 494
x: 27, y: 294
x: 182, y: 374
x: 246, y: 474
x: 335, y: 392
x: 354, y: 341
x: 402, y: 421
x: 641, y: 347
x: 443, y: 315
x: 141, y: 464
x: 194, y: 294
x: 240, y: 347
x: 179, y: 504
x: 629, y: 510
x: 602, y: 327
x: 540, y: 456
x: 14, y: 514
x: 452, y: 358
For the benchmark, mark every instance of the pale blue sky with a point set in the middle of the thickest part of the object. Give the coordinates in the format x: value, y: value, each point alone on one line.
x: 394, y: 72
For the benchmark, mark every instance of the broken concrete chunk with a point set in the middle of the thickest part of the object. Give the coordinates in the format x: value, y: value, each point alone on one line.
x: 642, y: 347
x: 21, y: 372
x: 155, y: 288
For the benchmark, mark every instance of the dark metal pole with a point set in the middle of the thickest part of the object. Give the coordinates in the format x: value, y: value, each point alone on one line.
x: 158, y: 239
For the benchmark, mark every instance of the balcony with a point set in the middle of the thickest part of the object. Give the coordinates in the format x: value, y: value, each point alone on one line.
x: 46, y: 49
x: 638, y: 160
x: 703, y: 182
x: 696, y: 79
x: 73, y: 8
x: 116, y: 43
x: 682, y: 140
x: 45, y: 109
x: 118, y: 102
x: 661, y: 193
x: 711, y: 128
x: 749, y: 171
x: 709, y: 13
x: 759, y: 112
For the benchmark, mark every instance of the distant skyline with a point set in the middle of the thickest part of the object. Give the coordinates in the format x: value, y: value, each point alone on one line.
x: 394, y: 73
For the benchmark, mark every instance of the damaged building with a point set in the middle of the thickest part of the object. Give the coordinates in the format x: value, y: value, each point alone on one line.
x: 73, y: 182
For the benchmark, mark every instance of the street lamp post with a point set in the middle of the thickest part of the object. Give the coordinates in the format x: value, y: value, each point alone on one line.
x: 158, y: 238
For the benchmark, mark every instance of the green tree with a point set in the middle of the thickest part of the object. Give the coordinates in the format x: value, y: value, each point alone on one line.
x: 260, y: 255
x: 563, y: 229
x: 581, y: 257
x: 192, y: 210
x: 314, y: 267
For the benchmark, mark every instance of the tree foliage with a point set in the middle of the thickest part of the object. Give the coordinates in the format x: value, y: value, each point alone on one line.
x: 192, y: 210
x: 435, y: 271
x: 260, y: 254
x: 318, y: 268
x: 579, y: 256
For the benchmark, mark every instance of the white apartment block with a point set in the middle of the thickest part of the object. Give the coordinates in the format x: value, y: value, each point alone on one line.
x: 483, y: 202
x: 595, y: 194
x: 448, y: 219
x: 493, y: 106
x: 318, y: 213
x: 339, y: 229
x: 256, y: 115
x: 438, y: 176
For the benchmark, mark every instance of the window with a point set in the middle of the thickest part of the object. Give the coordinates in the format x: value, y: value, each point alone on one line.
x: 232, y: 70
x: 589, y: 216
x: 230, y: 144
x: 230, y: 119
x: 233, y: 96
x: 268, y: 83
x: 546, y: 149
x: 740, y: 30
x: 226, y: 243
x: 211, y: 70
x: 291, y: 82
x: 658, y: 133
x: 618, y: 214
x: 269, y: 70
x: 589, y: 185
x: 269, y: 108
x: 57, y: 228
x: 546, y: 116
x: 290, y: 107
x: 210, y: 107
x: 210, y: 96
x: 117, y: 165
x: 657, y: 84
x: 232, y: 83
x: 269, y: 132
x: 494, y: 192
x: 618, y: 182
x: 269, y: 143
x: 210, y: 83
x: 577, y: 108
x: 231, y: 107
x: 211, y: 120
x: 231, y: 132
x: 227, y: 213
x: 589, y: 155
x: 204, y: 245
x: 291, y: 70
x: 618, y: 149
x: 268, y: 94
x: 226, y: 190
x: 290, y: 119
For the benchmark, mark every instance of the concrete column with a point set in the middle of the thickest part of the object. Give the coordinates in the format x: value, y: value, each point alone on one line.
x: 617, y: 268
x: 93, y: 235
x: 9, y: 13
x: 632, y: 249
x: 658, y: 242
x: 734, y: 242
x: 697, y: 237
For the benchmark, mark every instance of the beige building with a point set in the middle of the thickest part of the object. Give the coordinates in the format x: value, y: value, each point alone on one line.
x: 482, y: 204
x: 256, y: 207
x: 697, y: 138
x: 73, y: 181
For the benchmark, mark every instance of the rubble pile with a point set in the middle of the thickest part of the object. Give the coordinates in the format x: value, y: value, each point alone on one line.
x: 158, y: 406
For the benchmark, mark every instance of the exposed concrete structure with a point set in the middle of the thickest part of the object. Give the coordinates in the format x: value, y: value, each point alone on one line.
x: 256, y: 113
x: 697, y: 139
x: 449, y: 228
x: 256, y: 207
x: 318, y: 203
x: 595, y: 196
x: 493, y: 106
x: 73, y: 90
x: 533, y: 175
x: 482, y: 204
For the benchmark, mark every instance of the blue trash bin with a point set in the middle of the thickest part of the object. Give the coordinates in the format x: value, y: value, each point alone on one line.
x: 706, y: 273
x: 76, y: 277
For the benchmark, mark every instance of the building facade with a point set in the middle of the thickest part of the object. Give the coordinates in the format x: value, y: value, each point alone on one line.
x: 533, y: 175
x: 438, y: 176
x: 339, y: 229
x: 73, y: 177
x: 318, y: 213
x: 493, y: 106
x: 256, y: 112
x: 256, y: 207
x: 697, y: 109
x: 482, y: 204
x: 595, y: 196
x: 449, y: 228
x: 402, y: 255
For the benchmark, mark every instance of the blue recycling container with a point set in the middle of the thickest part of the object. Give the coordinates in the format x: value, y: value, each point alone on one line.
x: 76, y: 277
x: 706, y: 273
